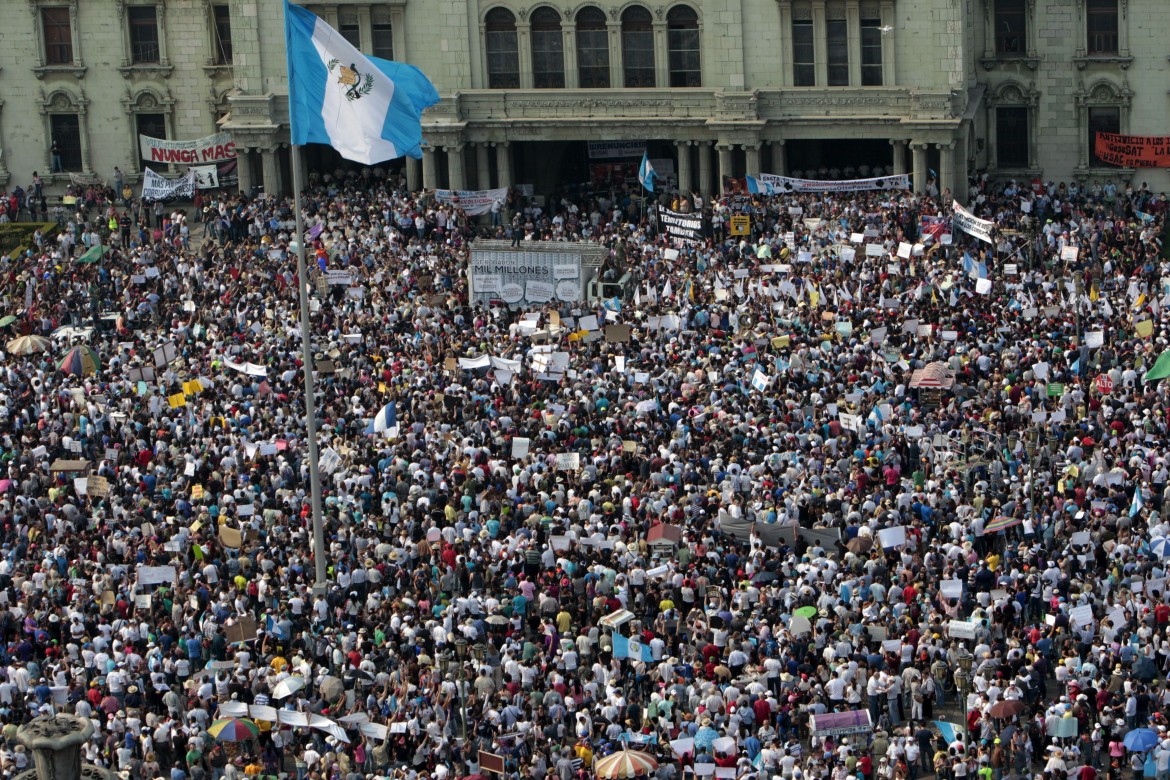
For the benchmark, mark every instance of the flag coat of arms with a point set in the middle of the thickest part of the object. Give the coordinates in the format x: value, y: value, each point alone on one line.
x: 368, y: 109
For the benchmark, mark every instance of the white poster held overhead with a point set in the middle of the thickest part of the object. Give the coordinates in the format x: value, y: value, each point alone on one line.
x: 206, y: 177
x: 892, y: 537
x: 970, y: 224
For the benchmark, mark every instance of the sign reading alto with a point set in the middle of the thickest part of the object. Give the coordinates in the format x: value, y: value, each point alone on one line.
x: 209, y: 149
x: 970, y: 224
x: 473, y: 202
x: 1133, y: 151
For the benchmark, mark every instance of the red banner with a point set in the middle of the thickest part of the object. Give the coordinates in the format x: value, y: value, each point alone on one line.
x: 1133, y: 151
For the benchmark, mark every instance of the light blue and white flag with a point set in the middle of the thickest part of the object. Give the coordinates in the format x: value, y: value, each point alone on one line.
x: 386, y: 419
x: 368, y: 109
x: 646, y: 173
x: 758, y: 187
x: 1138, y: 502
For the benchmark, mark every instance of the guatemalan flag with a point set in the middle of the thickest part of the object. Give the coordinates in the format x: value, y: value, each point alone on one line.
x: 646, y: 173
x: 758, y: 187
x: 368, y: 109
x: 385, y: 420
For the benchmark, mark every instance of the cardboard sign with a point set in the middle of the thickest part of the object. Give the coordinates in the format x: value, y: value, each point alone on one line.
x: 617, y: 334
x: 97, y: 487
x: 243, y: 630
x: 568, y: 461
x: 230, y: 537
x: 961, y: 629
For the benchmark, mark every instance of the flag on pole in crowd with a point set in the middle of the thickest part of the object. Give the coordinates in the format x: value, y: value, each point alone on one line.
x: 1138, y: 502
x: 1161, y: 368
x: 385, y: 420
x: 368, y: 109
x: 646, y: 173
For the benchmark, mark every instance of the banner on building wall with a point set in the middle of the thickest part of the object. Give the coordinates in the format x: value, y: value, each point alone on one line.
x: 1133, y: 151
x: 970, y: 224
x: 473, y: 202
x: 209, y: 149
x: 688, y: 227
x: 206, y: 177
x: 771, y: 184
x: 85, y: 179
x: 615, y: 150
x: 155, y: 187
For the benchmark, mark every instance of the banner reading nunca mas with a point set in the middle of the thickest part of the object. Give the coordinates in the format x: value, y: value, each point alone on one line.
x: 155, y: 187
x: 209, y: 149
x: 473, y: 202
x: 1133, y: 151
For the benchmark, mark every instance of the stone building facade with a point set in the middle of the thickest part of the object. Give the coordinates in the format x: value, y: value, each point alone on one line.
x: 715, y: 87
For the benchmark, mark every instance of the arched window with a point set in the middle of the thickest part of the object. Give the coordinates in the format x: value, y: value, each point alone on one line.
x: 682, y: 28
x: 548, y: 49
x: 592, y: 49
x: 638, y: 47
x: 503, y: 59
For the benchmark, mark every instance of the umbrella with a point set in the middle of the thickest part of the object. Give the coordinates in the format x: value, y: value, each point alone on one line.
x: 331, y: 688
x: 7, y: 320
x: 79, y: 361
x: 1159, y: 545
x: 1140, y: 740
x: 764, y: 577
x: 234, y: 730
x: 806, y: 612
x: 27, y: 345
x: 625, y: 763
x: 94, y: 254
x: 287, y: 687
x: 1006, y: 708
x: 799, y: 626
x: 859, y: 544
x: 359, y: 676
x: 496, y: 620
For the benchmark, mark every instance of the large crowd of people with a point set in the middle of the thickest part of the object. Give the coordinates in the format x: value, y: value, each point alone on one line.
x: 881, y: 500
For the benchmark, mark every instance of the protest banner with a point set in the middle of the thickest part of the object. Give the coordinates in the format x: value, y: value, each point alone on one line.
x: 688, y: 227
x: 209, y: 149
x: 1133, y: 151
x: 156, y: 187
x: 473, y: 202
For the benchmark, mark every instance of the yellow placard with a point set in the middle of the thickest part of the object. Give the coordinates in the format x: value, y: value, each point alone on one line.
x: 741, y: 225
x: 381, y: 387
x: 197, y: 492
x: 177, y: 400
x: 1145, y: 328
x: 781, y: 341
x: 192, y: 387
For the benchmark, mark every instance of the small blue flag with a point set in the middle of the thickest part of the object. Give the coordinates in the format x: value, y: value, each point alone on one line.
x: 646, y: 173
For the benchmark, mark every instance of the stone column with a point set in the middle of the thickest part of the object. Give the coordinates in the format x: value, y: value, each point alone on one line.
x: 569, y: 33
x: 919, y: 151
x: 705, y: 168
x: 271, y: 166
x: 504, y: 164
x: 524, y: 44
x: 429, y: 180
x: 413, y: 174
x: 55, y: 744
x: 946, y: 168
x: 456, y: 174
x: 684, y: 167
x: 899, y: 155
x: 244, y: 170
x: 661, y: 60
x: 960, y: 188
x: 752, y: 157
x: 483, y: 167
x: 726, y: 164
x: 820, y: 44
x: 779, y: 159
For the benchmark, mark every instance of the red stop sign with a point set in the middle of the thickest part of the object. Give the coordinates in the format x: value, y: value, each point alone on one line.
x: 1104, y: 384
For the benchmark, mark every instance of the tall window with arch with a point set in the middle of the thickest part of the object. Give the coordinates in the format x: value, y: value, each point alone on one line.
x: 503, y: 57
x: 548, y: 49
x: 682, y: 35
x: 592, y: 49
x: 638, y: 47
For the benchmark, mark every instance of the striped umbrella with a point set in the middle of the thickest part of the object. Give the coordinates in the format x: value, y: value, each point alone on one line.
x: 80, y: 360
x: 234, y: 730
x: 1001, y: 523
x: 1160, y: 546
x: 624, y: 764
x: 27, y: 345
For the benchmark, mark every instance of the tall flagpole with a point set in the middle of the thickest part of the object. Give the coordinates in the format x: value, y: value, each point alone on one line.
x: 307, y: 360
